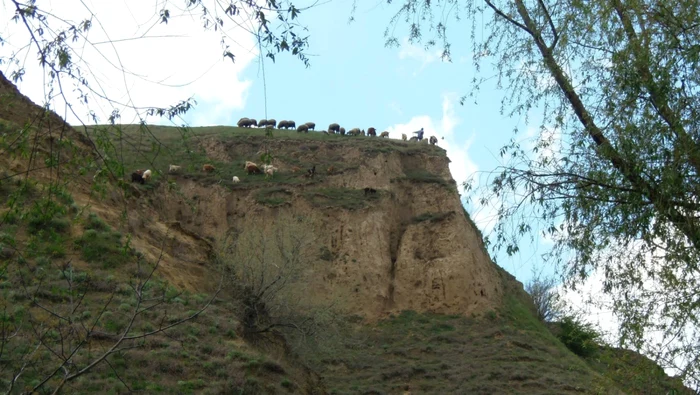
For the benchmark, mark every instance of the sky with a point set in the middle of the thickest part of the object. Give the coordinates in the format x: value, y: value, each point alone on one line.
x: 353, y: 79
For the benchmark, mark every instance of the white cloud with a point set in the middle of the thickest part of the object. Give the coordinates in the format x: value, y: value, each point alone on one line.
x: 412, y: 51
x: 164, y: 63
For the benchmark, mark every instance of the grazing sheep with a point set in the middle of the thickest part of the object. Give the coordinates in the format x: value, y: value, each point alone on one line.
x: 262, y: 123
x: 208, y: 168
x: 282, y: 124
x: 271, y: 123
x: 265, y: 168
x: 404, y: 137
x: 433, y: 140
x: 137, y: 177
x: 354, y: 132
x: 334, y: 127
x: 341, y: 131
x: 310, y: 125
x: 291, y: 124
x: 269, y: 170
x: 253, y: 122
x: 384, y: 134
x: 236, y: 180
x: 246, y: 123
x: 414, y: 138
x: 252, y: 168
x: 303, y: 128
x: 372, y: 132
x: 174, y: 169
x: 147, y: 175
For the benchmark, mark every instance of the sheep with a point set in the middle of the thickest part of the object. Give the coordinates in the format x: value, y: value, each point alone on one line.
x: 146, y: 175
x: 269, y: 170
x: 282, y: 124
x: 137, y: 177
x: 291, y: 124
x: 424, y: 141
x: 174, y: 169
x: 404, y: 137
x: 433, y: 140
x: 251, y: 168
x: 354, y: 132
x: 262, y: 123
x: 253, y: 122
x: 414, y: 138
x: 272, y: 123
x: 384, y: 134
x: 303, y: 128
x: 372, y: 132
x: 236, y: 180
x: 245, y: 122
x: 208, y: 168
x: 341, y: 131
x: 334, y: 127
x: 265, y: 168
x: 310, y: 125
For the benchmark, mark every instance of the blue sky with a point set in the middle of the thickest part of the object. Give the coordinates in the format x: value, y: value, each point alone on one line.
x: 353, y: 80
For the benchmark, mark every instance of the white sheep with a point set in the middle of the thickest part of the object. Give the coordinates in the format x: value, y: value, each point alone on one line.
x: 404, y: 137
x: 269, y: 169
x: 174, y: 169
x: 236, y: 180
x: 146, y: 174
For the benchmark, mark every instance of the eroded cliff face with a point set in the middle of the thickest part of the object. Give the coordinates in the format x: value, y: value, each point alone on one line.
x: 409, y: 246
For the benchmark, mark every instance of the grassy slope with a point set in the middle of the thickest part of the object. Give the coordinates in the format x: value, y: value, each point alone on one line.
x: 423, y: 353
x: 505, y: 351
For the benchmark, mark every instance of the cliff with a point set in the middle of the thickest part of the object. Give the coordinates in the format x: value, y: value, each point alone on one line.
x: 409, y: 245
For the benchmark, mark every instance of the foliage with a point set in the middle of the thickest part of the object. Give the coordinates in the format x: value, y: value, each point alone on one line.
x: 578, y: 336
x: 544, y: 295
x: 612, y: 175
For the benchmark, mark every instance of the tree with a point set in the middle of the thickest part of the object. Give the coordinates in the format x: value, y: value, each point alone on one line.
x: 264, y: 266
x: 613, y: 176
x: 545, y: 296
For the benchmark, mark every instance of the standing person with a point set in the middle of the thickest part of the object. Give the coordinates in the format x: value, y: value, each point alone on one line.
x: 420, y: 134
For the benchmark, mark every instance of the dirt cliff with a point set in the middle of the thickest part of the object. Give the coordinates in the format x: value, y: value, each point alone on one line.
x: 409, y: 245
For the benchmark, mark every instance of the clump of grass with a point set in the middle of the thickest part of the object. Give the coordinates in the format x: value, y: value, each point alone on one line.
x: 423, y: 176
x: 432, y: 217
x: 99, y: 243
x: 349, y: 199
x: 273, y: 197
x: 47, y: 215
